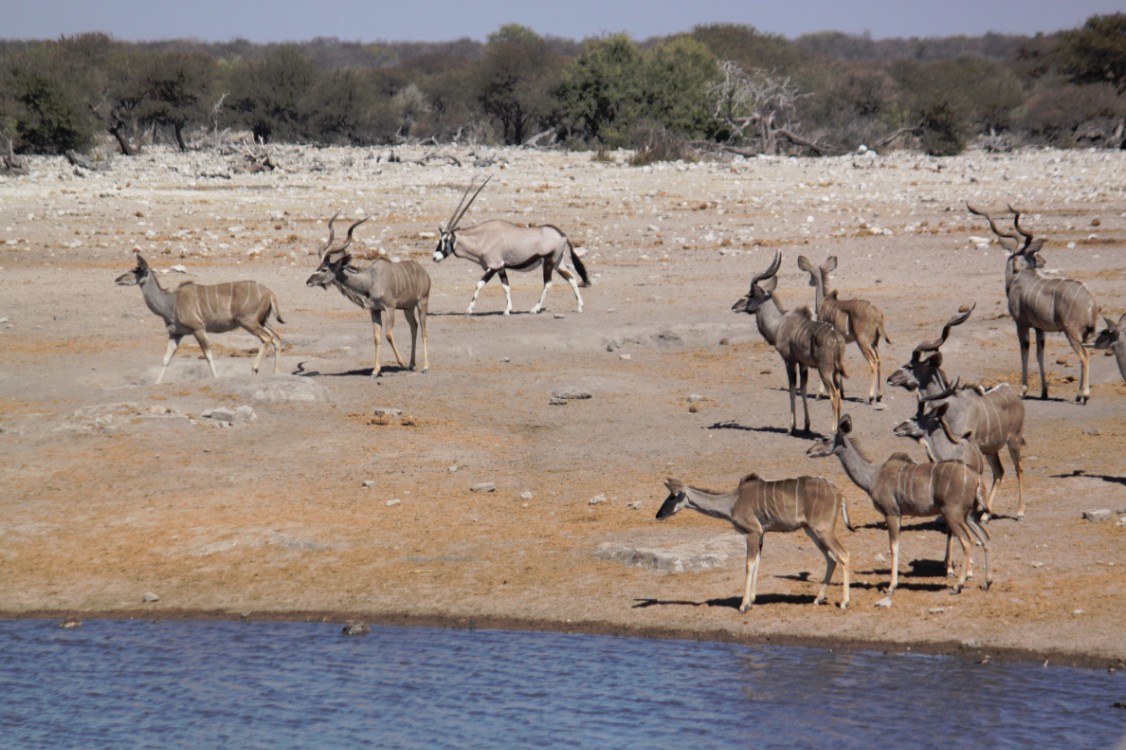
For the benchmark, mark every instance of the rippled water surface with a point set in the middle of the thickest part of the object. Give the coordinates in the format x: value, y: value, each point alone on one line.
x: 114, y: 684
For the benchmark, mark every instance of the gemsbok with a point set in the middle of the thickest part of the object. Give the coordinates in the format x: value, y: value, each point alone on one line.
x: 857, y: 319
x: 757, y: 506
x: 381, y: 288
x: 801, y: 341
x: 992, y: 417
x: 500, y: 246
x: 1043, y: 304
x: 1113, y: 337
x: 901, y: 487
x: 199, y: 309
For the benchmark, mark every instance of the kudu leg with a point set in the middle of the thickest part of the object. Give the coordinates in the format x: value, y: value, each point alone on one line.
x: 872, y: 357
x: 1084, y: 368
x: 377, y: 332
x: 266, y: 339
x: 388, y: 329
x: 412, y: 321
x: 169, y: 352
x: 754, y: 555
x: 998, y: 470
x: 893, y: 543
x: 834, y: 553
x: 803, y: 373
x: 1022, y: 339
x: 205, y: 345
x: 1040, y: 361
x: 1014, y: 454
x: 423, y: 311
x: 792, y: 381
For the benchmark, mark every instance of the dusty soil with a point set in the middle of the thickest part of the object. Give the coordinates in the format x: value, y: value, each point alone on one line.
x: 112, y: 487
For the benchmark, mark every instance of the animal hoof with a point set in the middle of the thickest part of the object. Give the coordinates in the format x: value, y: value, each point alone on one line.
x: 820, y: 600
x: 955, y: 591
x: 885, y: 602
x: 985, y: 586
x: 843, y: 605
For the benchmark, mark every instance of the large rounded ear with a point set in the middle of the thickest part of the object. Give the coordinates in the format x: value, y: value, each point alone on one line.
x: 845, y: 425
x: 770, y: 284
x: 804, y: 264
x: 942, y: 409
x: 830, y: 264
x: 935, y: 360
x: 141, y: 262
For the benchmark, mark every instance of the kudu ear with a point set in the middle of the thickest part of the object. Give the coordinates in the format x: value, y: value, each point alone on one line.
x: 770, y: 284
x: 940, y: 412
x: 805, y: 264
x: 845, y: 425
x: 830, y: 264
x: 935, y: 360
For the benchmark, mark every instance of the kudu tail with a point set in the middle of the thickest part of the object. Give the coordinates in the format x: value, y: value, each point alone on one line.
x: 578, y: 263
x: 881, y: 332
x: 274, y: 309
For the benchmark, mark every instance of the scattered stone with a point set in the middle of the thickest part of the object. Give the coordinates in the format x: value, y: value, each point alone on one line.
x: 635, y: 505
x: 692, y: 409
x: 936, y: 610
x: 388, y: 412
x: 1092, y: 431
x: 149, y: 597
x: 1100, y: 514
x: 70, y: 623
x: 556, y: 401
x: 971, y: 643
x: 526, y: 495
x: 484, y: 487
x: 571, y: 394
x: 1076, y: 612
x: 625, y: 357
x: 716, y: 552
x: 559, y: 316
x: 884, y: 603
x: 226, y: 416
x: 452, y: 468
x: 393, y: 502
x: 1037, y: 564
x: 356, y: 628
x: 367, y: 484
x: 598, y: 499
x: 289, y: 388
x: 695, y: 398
x: 880, y: 557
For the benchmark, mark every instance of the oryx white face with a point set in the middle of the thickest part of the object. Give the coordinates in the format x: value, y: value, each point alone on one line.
x: 445, y: 245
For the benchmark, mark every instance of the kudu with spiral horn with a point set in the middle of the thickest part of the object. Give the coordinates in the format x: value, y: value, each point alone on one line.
x: 1043, y: 304
x: 381, y: 288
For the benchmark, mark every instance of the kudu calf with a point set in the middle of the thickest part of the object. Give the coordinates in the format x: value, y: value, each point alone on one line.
x: 857, y: 319
x: 757, y: 506
x: 199, y: 309
x: 1043, y: 304
x: 801, y: 341
x: 993, y: 418
x: 381, y: 288
x: 499, y: 246
x: 1113, y: 337
x: 901, y: 487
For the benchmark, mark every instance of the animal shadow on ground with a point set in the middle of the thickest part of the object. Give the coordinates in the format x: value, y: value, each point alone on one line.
x: 486, y: 314
x: 1083, y: 474
x: 733, y: 425
x: 730, y: 602
x: 363, y: 371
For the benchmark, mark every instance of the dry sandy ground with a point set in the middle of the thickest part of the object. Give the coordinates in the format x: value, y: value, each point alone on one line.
x: 112, y: 487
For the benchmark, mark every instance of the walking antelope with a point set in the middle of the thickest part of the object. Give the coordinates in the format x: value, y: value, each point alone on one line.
x: 801, y: 341
x: 757, y: 506
x: 381, y: 288
x: 902, y: 487
x: 1042, y: 304
x: 200, y: 309
x: 857, y: 319
x: 499, y: 246
x: 993, y: 417
x: 1113, y: 337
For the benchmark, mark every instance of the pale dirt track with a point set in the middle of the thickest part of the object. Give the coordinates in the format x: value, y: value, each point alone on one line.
x: 112, y: 486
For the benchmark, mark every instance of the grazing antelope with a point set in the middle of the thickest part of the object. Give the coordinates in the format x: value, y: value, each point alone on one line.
x: 857, y: 319
x: 200, y: 309
x: 1042, y: 304
x: 801, y: 341
x: 993, y: 418
x: 1113, y: 337
x: 902, y: 487
x: 499, y: 246
x: 381, y: 288
x: 757, y: 506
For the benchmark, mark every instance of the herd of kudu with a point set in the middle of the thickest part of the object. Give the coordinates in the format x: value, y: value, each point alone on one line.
x: 963, y: 428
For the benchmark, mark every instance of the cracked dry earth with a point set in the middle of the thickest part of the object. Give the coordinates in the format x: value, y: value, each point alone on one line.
x: 308, y: 503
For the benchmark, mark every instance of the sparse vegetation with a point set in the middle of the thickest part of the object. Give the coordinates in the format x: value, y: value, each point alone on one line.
x: 720, y: 84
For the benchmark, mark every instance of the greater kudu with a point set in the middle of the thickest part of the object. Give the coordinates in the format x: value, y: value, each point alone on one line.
x: 1043, y: 304
x: 381, y: 288
x: 199, y: 309
x: 499, y: 246
x: 901, y: 487
x: 993, y: 418
x: 857, y: 319
x: 801, y: 341
x: 757, y: 506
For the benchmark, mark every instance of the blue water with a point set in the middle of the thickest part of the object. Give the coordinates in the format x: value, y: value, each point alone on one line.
x: 135, y: 684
